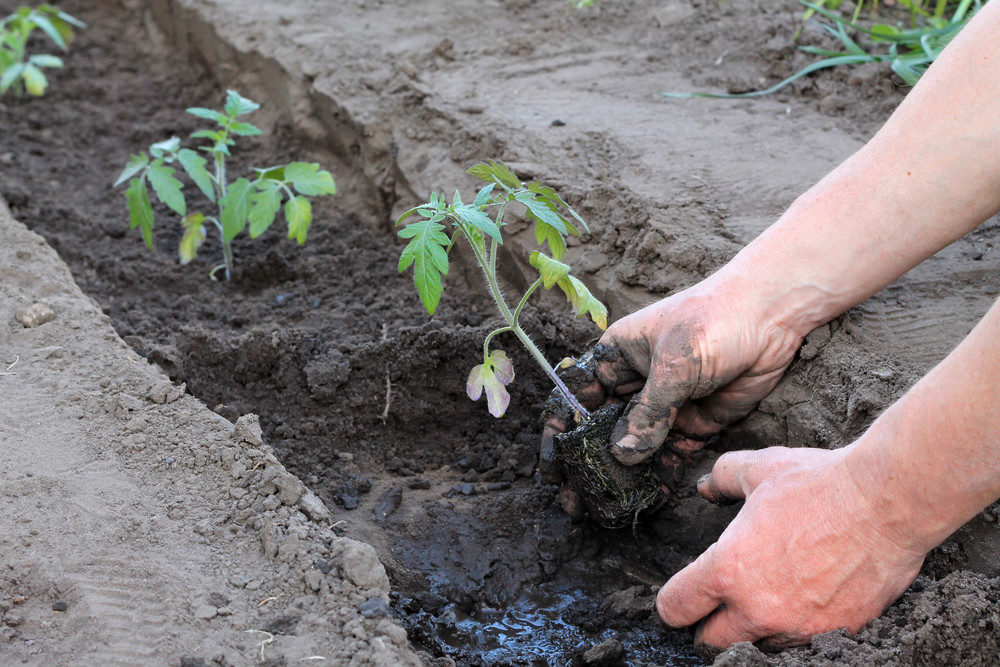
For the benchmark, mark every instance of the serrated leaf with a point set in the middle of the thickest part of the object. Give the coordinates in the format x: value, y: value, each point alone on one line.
x: 583, y: 301
x: 553, y: 199
x: 547, y: 234
x: 264, y: 208
x: 207, y: 114
x: 165, y: 147
x: 235, y: 209
x: 309, y: 180
x: 194, y: 165
x: 540, y: 210
x: 221, y: 147
x: 34, y: 80
x: 426, y: 253
x: 298, y: 214
x: 471, y: 215
x: 494, y: 171
x: 552, y: 271
x: 194, y: 235
x: 45, y: 60
x: 271, y: 174
x: 136, y: 163
x: 9, y: 76
x: 237, y: 105
x: 483, y: 196
x: 167, y: 188
x: 245, y: 129
x: 140, y: 211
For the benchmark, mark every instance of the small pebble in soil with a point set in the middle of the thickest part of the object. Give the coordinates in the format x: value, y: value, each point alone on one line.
x: 419, y: 483
x: 558, y: 123
x: 60, y: 605
x: 35, y: 315
x: 373, y: 608
x: 607, y: 653
x: 322, y: 565
x: 463, y: 489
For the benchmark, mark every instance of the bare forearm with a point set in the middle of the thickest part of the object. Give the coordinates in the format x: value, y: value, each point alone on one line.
x: 928, y: 177
x: 936, y: 452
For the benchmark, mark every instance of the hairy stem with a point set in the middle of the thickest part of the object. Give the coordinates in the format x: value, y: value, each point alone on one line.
x: 508, y: 316
x: 489, y: 337
x: 524, y: 300
x: 220, y: 180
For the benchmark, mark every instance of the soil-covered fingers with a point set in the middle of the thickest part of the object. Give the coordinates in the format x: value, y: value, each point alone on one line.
x: 643, y: 429
x: 679, y: 451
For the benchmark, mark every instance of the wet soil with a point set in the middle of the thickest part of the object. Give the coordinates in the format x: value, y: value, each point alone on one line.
x: 358, y: 391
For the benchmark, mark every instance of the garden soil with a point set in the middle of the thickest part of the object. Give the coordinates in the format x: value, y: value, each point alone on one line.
x: 151, y: 505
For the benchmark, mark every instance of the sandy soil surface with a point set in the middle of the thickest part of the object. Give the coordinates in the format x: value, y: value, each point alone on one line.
x: 405, y: 99
x: 141, y: 528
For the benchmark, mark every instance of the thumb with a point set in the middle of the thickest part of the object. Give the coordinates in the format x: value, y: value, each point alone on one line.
x: 736, y: 475
x: 647, y: 420
x: 686, y: 599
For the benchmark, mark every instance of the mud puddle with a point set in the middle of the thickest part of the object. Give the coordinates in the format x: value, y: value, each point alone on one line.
x: 358, y: 392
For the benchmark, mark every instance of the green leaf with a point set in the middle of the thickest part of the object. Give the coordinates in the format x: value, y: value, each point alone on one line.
x: 552, y: 199
x: 46, y: 25
x: 194, y: 235
x: 207, y: 114
x: 34, y: 80
x: 583, y: 301
x: 271, y: 174
x: 166, y: 147
x: 265, y: 204
x: 540, y: 210
x: 9, y: 76
x: 552, y: 271
x: 237, y: 105
x: 245, y: 129
x: 497, y: 172
x: 298, y: 213
x: 136, y: 163
x: 206, y: 134
x: 483, y: 196
x: 235, y: 209
x: 426, y: 253
x: 547, y: 234
x: 470, y: 215
x: 309, y: 180
x: 45, y: 60
x: 140, y: 211
x: 194, y: 165
x: 167, y: 188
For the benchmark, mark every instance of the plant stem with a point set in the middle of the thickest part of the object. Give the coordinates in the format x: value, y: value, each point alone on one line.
x: 220, y: 180
x: 524, y: 300
x: 508, y: 316
x: 489, y: 337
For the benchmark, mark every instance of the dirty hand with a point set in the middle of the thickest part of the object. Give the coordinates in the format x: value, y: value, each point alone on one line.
x: 688, y: 365
x: 812, y: 550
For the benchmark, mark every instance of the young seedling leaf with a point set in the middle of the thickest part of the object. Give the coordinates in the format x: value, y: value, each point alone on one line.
x: 34, y: 80
x: 470, y: 215
x: 583, y: 301
x: 298, y: 214
x: 539, y: 209
x: 552, y: 199
x: 483, y: 196
x: 245, y: 129
x: 206, y: 134
x: 271, y: 174
x: 10, y: 75
x: 551, y: 271
x: 309, y: 180
x: 167, y: 188
x: 495, y: 172
x: 45, y: 60
x: 264, y: 207
x: 237, y: 105
x: 166, y: 147
x: 194, y: 235
x: 426, y: 253
x: 492, y: 376
x: 45, y: 24
x: 136, y: 163
x: 140, y: 211
x: 194, y: 165
x: 547, y: 234
x: 235, y: 209
x: 207, y: 114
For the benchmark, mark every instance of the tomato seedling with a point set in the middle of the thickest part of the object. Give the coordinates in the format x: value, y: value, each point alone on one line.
x: 481, y: 224
x: 246, y: 202
x: 19, y: 71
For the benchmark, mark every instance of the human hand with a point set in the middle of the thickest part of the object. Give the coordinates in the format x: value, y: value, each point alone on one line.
x: 688, y: 366
x: 815, y: 548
